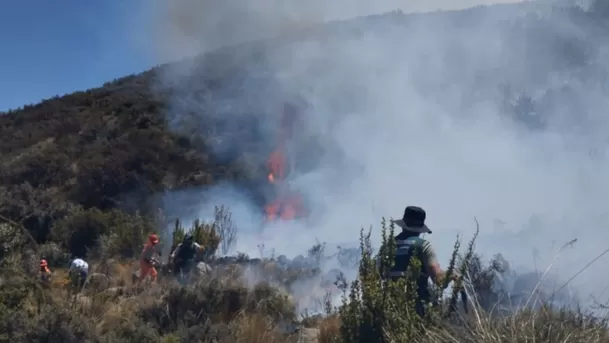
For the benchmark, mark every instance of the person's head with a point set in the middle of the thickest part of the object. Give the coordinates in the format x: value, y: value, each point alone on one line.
x: 153, y: 239
x: 43, y: 264
x: 188, y: 239
x: 413, y: 221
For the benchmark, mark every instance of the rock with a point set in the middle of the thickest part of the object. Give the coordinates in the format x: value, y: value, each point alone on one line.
x: 116, y: 290
x: 202, y: 269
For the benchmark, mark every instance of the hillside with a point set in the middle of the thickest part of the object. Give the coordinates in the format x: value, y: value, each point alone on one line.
x: 92, y: 149
x: 84, y: 174
x: 118, y: 145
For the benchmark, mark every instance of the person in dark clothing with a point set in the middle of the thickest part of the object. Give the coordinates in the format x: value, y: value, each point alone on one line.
x: 183, y: 257
x: 410, y: 244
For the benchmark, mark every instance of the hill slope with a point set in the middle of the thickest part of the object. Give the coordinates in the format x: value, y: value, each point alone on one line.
x: 93, y: 148
x: 118, y: 145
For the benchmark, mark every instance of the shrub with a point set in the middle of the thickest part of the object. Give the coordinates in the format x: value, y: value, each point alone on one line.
x: 378, y: 310
x: 226, y: 228
x: 329, y: 330
x: 203, y: 233
x: 54, y: 253
x: 80, y: 232
x: 214, y: 301
x: 56, y: 324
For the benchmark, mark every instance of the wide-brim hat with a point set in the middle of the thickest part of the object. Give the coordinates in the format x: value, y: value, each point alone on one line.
x: 413, y: 220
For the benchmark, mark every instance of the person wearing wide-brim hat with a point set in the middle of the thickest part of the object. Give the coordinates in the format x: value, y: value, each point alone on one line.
x: 410, y: 244
x: 413, y: 220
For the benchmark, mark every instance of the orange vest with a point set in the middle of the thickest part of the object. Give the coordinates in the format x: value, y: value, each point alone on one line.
x: 147, y: 252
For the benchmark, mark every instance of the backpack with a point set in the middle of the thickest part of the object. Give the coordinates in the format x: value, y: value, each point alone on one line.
x: 406, y: 249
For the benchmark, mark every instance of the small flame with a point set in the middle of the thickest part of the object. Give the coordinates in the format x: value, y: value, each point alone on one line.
x: 287, y: 205
x: 271, y: 210
x: 276, y: 164
x: 285, y: 208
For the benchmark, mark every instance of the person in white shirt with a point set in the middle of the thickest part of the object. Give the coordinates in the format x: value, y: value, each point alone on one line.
x: 79, y: 270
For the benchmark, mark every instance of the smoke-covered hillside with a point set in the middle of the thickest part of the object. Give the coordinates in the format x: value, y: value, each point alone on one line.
x: 495, y: 112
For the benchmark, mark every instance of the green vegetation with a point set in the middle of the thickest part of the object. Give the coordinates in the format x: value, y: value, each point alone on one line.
x: 377, y: 311
x: 221, y: 308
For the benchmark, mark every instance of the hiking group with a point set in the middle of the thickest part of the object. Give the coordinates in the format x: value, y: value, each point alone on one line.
x: 78, y: 272
x: 182, y: 261
x: 409, y: 244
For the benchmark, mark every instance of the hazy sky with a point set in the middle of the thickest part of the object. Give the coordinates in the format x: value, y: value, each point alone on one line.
x: 57, y: 47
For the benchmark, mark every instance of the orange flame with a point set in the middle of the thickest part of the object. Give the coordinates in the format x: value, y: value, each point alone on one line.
x: 276, y: 164
x: 285, y: 208
x: 287, y: 205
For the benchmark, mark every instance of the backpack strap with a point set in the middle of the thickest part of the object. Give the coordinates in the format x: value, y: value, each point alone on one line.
x: 403, y: 256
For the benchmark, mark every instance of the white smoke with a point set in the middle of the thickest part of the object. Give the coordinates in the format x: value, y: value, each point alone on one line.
x: 416, y: 106
x: 188, y: 27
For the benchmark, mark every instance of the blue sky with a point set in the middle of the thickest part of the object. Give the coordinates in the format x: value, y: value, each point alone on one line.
x: 54, y: 47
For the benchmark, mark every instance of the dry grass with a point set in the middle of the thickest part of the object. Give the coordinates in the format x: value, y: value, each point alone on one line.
x: 222, y: 309
x: 544, y: 325
x: 256, y: 329
x: 228, y: 312
x: 329, y: 330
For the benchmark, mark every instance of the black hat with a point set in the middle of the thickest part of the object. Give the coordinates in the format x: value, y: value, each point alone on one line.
x: 413, y: 220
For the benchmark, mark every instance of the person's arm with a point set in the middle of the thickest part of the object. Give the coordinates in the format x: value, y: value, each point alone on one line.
x: 431, y: 264
x: 198, y: 246
x: 148, y: 254
x: 175, y: 251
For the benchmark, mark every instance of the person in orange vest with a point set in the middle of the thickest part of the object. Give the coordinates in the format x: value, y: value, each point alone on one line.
x: 45, y: 272
x: 147, y: 259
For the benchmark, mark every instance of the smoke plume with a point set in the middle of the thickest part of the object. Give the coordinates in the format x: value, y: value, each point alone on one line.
x: 492, y: 112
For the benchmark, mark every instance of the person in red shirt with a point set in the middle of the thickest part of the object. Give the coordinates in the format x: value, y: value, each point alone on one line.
x: 147, y: 259
x: 45, y: 272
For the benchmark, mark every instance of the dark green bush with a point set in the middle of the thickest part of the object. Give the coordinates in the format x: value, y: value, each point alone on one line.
x: 378, y: 310
x: 214, y: 301
x: 206, y: 234
x: 81, y: 231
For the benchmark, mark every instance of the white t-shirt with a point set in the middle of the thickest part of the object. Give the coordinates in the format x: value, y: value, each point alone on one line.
x: 79, y: 265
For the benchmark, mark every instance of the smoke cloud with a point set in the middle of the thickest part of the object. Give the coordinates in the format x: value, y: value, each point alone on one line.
x: 496, y: 113
x: 188, y: 27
